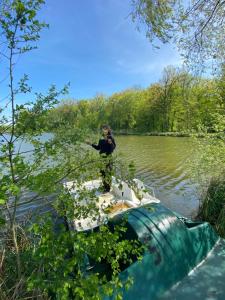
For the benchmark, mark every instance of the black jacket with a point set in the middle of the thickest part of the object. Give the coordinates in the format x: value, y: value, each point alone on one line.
x: 104, y: 146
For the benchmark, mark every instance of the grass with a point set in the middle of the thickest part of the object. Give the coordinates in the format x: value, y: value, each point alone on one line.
x: 212, y: 207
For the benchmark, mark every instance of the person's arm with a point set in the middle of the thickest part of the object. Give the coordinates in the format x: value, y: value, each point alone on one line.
x: 97, y: 147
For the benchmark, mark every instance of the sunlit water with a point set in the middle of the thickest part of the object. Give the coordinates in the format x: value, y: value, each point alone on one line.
x: 162, y: 162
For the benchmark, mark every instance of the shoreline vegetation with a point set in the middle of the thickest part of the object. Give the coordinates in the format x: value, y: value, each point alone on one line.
x: 212, y: 208
x: 171, y: 134
x: 163, y: 134
x: 179, y: 104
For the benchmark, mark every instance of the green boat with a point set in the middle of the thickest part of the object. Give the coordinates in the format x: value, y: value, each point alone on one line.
x: 183, y: 259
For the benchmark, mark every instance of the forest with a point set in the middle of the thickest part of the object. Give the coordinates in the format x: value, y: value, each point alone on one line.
x: 178, y: 102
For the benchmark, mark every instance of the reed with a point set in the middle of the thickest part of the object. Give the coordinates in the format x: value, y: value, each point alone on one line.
x: 212, y: 207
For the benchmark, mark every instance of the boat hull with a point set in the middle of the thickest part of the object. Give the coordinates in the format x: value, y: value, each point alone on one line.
x: 175, y: 248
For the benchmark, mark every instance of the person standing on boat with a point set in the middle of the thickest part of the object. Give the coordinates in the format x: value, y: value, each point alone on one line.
x: 106, y: 146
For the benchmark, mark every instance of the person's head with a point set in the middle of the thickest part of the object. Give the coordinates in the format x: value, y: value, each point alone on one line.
x: 106, y: 129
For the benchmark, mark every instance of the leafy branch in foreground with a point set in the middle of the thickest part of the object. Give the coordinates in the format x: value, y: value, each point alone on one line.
x: 48, y: 261
x: 19, y: 28
x: 197, y: 27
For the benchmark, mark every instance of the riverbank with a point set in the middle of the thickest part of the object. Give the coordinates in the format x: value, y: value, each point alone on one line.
x: 171, y: 134
x: 174, y: 134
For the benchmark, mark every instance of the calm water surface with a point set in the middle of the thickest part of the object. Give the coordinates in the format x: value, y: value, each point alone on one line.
x: 161, y: 162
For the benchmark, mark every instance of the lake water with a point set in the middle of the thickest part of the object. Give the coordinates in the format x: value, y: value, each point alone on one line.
x: 161, y: 162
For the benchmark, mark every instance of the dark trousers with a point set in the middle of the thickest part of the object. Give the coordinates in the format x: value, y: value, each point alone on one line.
x: 106, y: 173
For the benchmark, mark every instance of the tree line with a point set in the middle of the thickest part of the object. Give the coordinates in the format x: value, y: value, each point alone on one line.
x: 178, y: 102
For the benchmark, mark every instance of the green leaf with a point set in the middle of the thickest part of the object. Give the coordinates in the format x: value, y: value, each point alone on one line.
x: 2, y: 221
x: 2, y: 201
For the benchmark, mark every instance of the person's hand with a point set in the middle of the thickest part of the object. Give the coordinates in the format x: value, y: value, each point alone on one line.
x: 88, y: 143
x: 109, y: 140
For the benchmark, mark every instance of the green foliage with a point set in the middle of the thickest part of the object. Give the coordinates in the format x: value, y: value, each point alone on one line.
x: 208, y: 158
x: 212, y: 207
x: 79, y: 265
x: 180, y: 102
x: 208, y: 167
x: 50, y: 261
x: 158, y: 15
x: 19, y: 25
x: 31, y: 118
x: 196, y: 27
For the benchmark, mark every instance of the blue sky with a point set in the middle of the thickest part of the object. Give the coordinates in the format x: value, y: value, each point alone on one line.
x: 94, y: 45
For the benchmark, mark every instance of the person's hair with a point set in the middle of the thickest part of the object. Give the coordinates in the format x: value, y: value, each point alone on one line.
x: 105, y: 126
